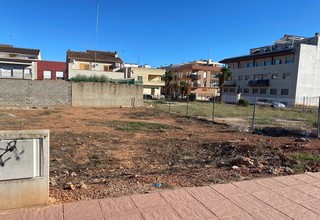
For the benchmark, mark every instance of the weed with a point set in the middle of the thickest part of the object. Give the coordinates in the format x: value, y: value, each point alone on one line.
x: 47, y: 112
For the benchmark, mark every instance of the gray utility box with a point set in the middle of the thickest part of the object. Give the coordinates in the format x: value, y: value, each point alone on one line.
x: 24, y: 168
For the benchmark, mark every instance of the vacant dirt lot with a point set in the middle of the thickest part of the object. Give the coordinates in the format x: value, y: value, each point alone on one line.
x: 98, y: 152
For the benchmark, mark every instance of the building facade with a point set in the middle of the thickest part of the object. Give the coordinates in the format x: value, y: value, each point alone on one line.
x: 18, y: 63
x: 150, y: 78
x: 94, y: 63
x: 287, y: 71
x: 51, y: 70
x: 201, y: 77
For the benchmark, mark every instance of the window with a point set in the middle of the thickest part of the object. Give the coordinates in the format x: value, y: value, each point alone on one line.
x: 245, y: 90
x: 267, y: 62
x: 277, y: 61
x: 59, y: 74
x: 106, y: 68
x: 289, y: 60
x: 263, y: 91
x: 255, y: 91
x: 225, y: 90
x: 284, y: 91
x: 204, y: 75
x: 139, y: 78
x: 240, y: 78
x: 249, y: 64
x: 273, y: 91
x: 83, y: 66
x: 286, y: 76
x: 239, y: 90
x: 274, y: 76
x: 246, y: 77
x: 47, y: 74
x: 232, y: 90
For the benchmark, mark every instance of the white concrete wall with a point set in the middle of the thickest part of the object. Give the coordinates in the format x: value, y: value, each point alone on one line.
x: 308, y: 79
x: 24, y: 171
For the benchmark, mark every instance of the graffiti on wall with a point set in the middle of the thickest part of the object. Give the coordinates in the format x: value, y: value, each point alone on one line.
x: 9, y: 151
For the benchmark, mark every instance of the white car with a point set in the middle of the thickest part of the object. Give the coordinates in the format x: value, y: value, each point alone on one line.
x: 270, y: 103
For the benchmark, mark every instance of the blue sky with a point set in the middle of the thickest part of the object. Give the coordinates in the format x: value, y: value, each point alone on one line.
x: 155, y: 32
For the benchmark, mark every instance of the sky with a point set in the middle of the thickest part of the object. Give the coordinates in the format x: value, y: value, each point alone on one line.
x: 154, y: 32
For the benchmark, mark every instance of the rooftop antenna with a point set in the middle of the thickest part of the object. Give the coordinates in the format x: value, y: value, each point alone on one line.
x: 97, y: 25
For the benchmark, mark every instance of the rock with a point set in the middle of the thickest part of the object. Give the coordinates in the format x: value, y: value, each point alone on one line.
x: 52, y: 181
x: 302, y: 140
x: 235, y: 167
x: 66, y: 172
x: 69, y: 186
x: 240, y: 160
x: 222, y: 164
x: 73, y: 174
x: 289, y: 170
x: 83, y: 186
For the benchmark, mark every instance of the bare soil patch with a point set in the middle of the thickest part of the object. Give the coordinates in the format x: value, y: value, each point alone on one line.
x: 109, y: 152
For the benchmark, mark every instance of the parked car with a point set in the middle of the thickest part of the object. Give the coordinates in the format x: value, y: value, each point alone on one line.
x: 146, y: 96
x: 270, y: 103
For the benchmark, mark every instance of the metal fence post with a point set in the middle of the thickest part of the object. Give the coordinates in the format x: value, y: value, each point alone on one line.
x: 187, y: 105
x: 319, y: 119
x: 254, y: 114
x: 170, y: 105
x: 213, y: 105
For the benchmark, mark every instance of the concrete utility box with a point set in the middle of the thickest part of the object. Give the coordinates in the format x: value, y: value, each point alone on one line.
x: 24, y: 168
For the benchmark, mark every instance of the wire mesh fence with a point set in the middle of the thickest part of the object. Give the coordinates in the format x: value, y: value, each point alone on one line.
x: 300, y: 118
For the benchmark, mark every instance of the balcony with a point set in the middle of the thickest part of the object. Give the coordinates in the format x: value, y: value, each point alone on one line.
x: 230, y: 83
x: 259, y: 82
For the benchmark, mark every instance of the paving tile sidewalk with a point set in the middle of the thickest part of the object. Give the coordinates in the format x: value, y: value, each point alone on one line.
x: 287, y: 197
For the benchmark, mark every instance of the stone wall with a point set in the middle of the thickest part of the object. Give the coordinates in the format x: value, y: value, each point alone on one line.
x: 34, y: 93
x: 61, y: 93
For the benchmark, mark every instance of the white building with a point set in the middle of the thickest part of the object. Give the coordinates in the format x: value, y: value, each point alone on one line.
x: 287, y: 71
x: 18, y: 63
x: 94, y: 63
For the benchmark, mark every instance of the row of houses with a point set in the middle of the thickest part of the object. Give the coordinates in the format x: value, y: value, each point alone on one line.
x: 23, y: 63
x: 288, y: 71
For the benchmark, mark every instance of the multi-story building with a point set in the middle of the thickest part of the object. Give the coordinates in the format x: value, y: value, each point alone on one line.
x: 18, y: 63
x: 287, y: 71
x: 97, y: 63
x: 150, y: 78
x: 201, y: 76
x: 51, y: 70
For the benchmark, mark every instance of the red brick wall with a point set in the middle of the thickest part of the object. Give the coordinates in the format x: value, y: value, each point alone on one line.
x: 52, y: 66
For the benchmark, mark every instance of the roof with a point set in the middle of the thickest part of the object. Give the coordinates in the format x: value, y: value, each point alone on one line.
x: 10, y: 49
x: 94, y: 56
x: 257, y: 56
x: 193, y: 67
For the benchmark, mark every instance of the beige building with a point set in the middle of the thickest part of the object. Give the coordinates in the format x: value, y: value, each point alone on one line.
x: 287, y: 71
x: 201, y: 76
x: 150, y: 78
x: 94, y: 63
x: 18, y: 63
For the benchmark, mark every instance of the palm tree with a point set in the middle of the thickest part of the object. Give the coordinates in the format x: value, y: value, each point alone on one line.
x: 168, y: 77
x: 224, y: 75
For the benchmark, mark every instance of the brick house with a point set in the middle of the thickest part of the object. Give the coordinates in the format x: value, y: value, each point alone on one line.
x: 51, y: 70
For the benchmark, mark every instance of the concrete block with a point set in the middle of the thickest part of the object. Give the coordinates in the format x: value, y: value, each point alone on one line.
x: 24, y: 168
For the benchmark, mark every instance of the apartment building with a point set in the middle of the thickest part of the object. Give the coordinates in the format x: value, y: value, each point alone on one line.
x: 150, y: 78
x: 18, y: 63
x: 94, y: 63
x: 201, y: 76
x: 287, y: 71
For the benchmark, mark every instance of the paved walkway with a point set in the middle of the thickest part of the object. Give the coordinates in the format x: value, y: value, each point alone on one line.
x: 289, y: 197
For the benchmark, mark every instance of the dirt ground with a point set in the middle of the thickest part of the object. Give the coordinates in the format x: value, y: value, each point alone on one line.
x: 110, y: 152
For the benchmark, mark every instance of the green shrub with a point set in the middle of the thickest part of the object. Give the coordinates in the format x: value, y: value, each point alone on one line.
x: 243, y: 102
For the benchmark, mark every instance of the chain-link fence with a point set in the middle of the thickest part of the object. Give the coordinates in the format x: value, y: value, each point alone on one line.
x: 302, y: 119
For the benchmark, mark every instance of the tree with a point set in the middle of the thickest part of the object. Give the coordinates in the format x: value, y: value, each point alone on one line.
x: 224, y: 75
x: 184, y: 88
x: 168, y: 77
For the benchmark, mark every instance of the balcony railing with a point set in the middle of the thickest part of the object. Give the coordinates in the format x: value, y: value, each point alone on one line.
x: 259, y: 82
x: 230, y: 83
